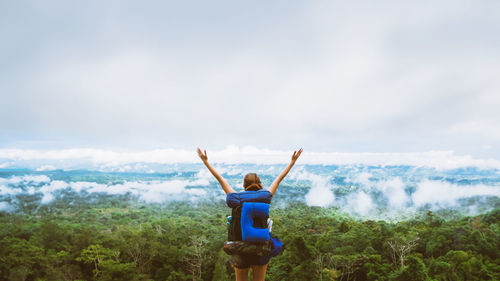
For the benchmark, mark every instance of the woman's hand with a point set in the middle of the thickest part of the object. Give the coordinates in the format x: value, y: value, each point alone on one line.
x: 203, y: 156
x: 225, y: 186
x: 296, y: 155
x: 276, y: 182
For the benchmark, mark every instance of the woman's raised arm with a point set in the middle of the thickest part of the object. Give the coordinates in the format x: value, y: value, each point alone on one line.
x: 276, y: 182
x: 222, y: 181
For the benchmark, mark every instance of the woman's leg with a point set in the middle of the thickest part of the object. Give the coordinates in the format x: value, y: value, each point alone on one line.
x: 241, y: 274
x: 258, y: 272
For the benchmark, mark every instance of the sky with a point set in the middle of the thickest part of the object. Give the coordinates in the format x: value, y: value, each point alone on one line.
x: 329, y: 76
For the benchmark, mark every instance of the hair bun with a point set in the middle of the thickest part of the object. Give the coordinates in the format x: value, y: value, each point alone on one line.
x: 254, y: 186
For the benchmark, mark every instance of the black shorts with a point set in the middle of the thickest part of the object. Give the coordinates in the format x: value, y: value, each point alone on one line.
x: 247, y: 260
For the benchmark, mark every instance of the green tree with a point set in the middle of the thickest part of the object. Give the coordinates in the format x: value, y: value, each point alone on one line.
x: 20, y: 259
x: 415, y: 270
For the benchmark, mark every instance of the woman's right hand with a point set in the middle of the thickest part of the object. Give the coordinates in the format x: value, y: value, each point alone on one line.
x: 296, y: 155
x: 203, y: 156
x: 225, y: 186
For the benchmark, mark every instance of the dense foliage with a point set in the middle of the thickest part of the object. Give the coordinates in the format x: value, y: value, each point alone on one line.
x: 116, y: 239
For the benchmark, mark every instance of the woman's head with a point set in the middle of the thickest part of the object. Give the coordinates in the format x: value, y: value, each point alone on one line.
x: 251, y: 182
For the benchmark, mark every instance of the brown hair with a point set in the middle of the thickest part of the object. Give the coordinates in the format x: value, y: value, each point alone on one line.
x: 252, y: 182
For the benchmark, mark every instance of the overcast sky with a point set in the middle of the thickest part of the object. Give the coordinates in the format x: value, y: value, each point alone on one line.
x: 330, y: 76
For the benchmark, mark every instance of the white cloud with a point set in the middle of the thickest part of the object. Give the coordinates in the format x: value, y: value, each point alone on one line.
x: 321, y: 196
x: 4, y: 190
x: 360, y: 203
x: 483, y: 128
x: 392, y: 188
x: 363, y: 190
x: 46, y: 168
x: 24, y: 179
x: 53, y: 186
x: 361, y: 198
x: 137, y: 160
x: 148, y: 191
x: 387, y: 77
x: 362, y: 178
x: 443, y: 194
x: 5, y: 207
x: 34, y: 179
x: 321, y: 193
x: 47, y: 198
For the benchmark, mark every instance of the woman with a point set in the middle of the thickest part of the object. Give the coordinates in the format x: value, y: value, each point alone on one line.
x: 251, y: 182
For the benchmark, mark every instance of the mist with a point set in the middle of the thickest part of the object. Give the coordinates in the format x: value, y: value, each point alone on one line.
x: 365, y: 191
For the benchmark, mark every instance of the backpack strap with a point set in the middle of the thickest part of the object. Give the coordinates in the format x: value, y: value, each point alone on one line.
x: 234, y: 233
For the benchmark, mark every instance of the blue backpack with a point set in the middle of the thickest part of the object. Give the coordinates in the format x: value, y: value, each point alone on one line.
x: 235, y: 201
x: 250, y: 211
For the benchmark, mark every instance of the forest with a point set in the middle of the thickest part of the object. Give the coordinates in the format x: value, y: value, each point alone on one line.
x: 108, y: 237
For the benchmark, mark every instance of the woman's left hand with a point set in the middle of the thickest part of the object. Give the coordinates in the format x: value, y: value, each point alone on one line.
x: 296, y: 155
x: 203, y: 156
